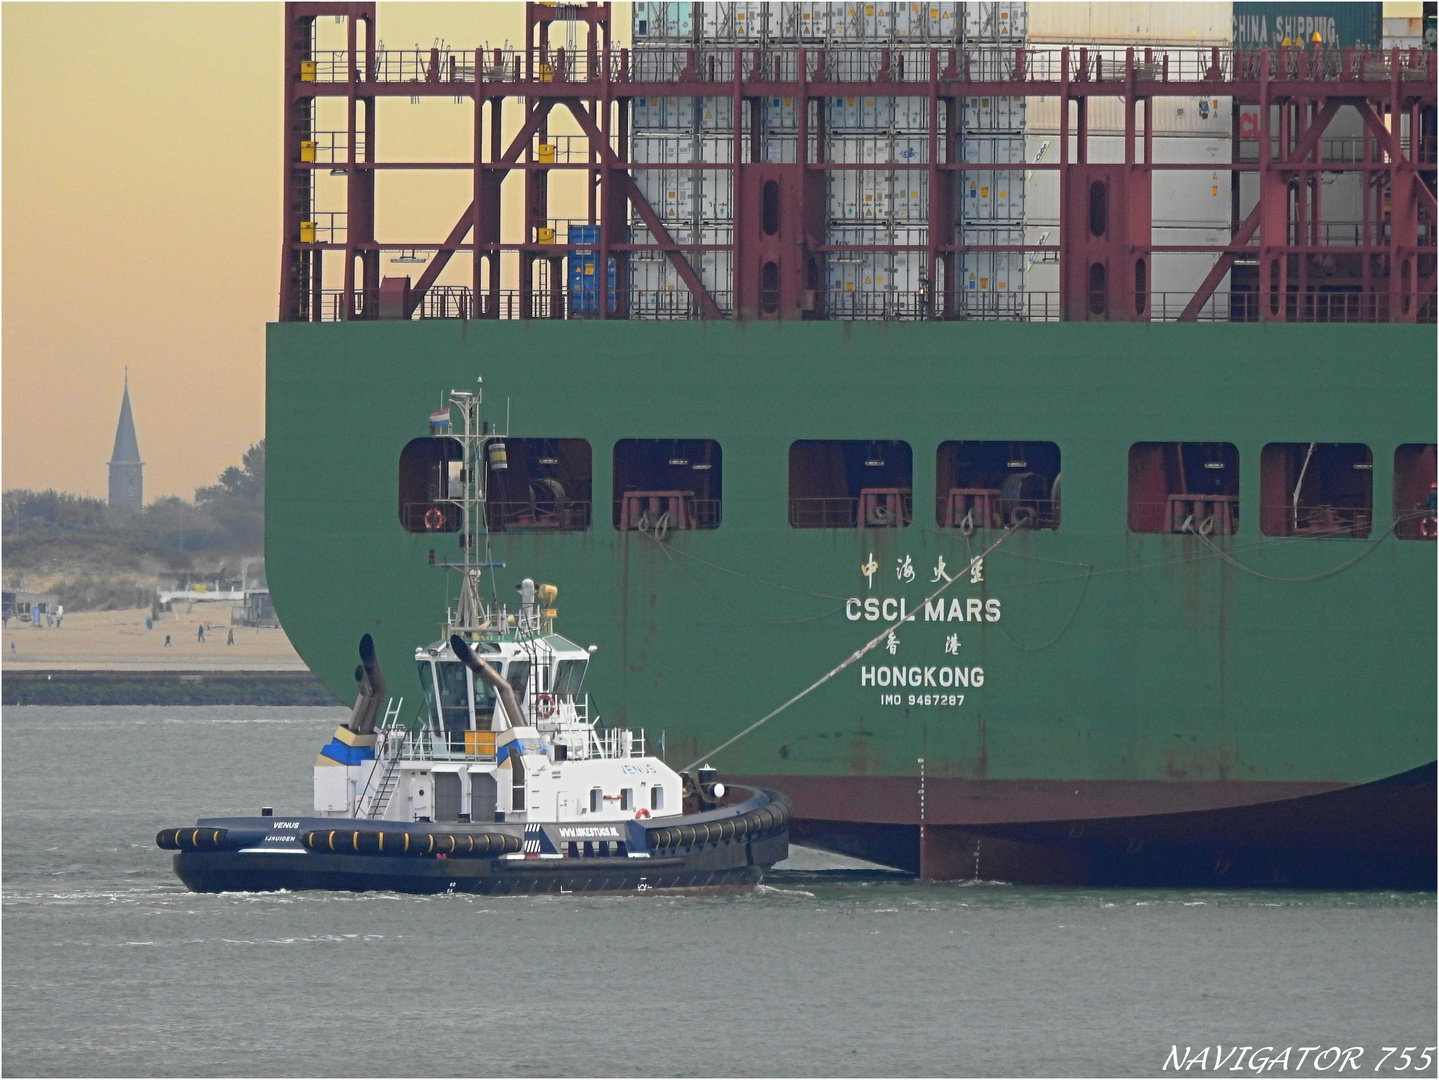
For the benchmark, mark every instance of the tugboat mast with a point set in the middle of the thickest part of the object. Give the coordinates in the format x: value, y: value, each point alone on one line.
x: 467, y: 482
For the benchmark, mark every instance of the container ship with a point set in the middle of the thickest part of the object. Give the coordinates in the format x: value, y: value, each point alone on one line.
x: 1031, y: 423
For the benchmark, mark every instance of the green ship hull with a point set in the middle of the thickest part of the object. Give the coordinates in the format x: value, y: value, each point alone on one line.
x: 1153, y: 707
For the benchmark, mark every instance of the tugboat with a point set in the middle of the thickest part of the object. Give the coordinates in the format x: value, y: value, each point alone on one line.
x: 506, y: 782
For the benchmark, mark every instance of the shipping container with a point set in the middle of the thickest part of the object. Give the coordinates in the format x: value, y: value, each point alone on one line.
x: 662, y: 22
x: 1208, y: 117
x: 876, y: 284
x: 1003, y: 22
x: 653, y: 273
x: 664, y: 113
x: 1199, y: 198
x: 1344, y: 25
x: 880, y: 194
x: 991, y: 283
x: 584, y: 286
x: 1131, y: 23
x: 1174, y: 275
x: 685, y: 194
x: 779, y: 113
x: 738, y: 22
x: 991, y: 196
x: 993, y: 112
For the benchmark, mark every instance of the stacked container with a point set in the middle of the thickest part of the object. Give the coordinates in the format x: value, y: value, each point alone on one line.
x: 990, y: 198
x: 883, y: 204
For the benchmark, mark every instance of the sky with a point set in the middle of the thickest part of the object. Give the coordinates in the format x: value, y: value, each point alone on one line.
x: 141, y: 159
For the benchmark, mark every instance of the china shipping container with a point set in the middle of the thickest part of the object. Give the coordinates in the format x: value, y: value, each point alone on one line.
x: 1346, y: 25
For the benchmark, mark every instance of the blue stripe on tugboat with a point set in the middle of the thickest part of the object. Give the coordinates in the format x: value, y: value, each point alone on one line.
x: 347, y: 755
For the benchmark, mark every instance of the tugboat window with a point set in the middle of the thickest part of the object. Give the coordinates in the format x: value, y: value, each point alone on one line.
x: 1316, y: 489
x: 518, y: 677
x: 427, y: 685
x: 454, y: 702
x: 597, y: 800
x: 430, y: 472
x: 545, y: 486
x: 850, y: 484
x: 570, y: 676
x: 1414, y: 492
x: 1177, y: 487
x: 627, y: 799
x: 667, y: 485
x: 997, y: 485
x: 657, y: 797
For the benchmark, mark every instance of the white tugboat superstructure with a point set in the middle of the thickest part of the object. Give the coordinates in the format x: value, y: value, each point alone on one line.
x: 505, y: 763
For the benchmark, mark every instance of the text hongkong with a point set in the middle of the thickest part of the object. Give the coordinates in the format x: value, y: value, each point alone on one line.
x: 897, y: 675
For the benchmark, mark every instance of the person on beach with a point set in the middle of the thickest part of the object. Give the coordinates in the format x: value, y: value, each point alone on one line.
x: 167, y: 641
x: 230, y: 637
x: 200, y: 633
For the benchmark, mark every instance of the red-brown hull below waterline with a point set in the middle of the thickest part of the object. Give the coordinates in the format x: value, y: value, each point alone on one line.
x: 1220, y: 834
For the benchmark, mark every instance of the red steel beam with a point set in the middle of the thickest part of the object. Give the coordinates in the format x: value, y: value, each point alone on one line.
x: 652, y: 220
x: 457, y: 235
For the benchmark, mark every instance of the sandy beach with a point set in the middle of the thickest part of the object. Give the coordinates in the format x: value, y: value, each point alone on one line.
x: 119, y: 641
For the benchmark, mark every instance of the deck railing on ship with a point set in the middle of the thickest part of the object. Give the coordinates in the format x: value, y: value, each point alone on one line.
x: 444, y: 69
x: 1312, y: 306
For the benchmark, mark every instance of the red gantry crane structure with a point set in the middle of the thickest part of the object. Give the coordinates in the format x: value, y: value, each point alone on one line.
x: 1295, y: 268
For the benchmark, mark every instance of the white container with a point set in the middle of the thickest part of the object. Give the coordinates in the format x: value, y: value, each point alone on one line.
x: 779, y: 113
x: 866, y: 271
x: 1131, y: 23
x: 1001, y: 22
x: 991, y: 195
x: 873, y: 113
x: 1197, y: 198
x: 716, y: 115
x: 803, y: 22
x: 994, y: 112
x: 653, y: 273
x: 994, y: 274
x: 1176, y: 274
x: 738, y: 22
x: 664, y: 114
x: 1210, y: 117
x: 662, y: 22
x: 879, y: 194
x: 671, y: 192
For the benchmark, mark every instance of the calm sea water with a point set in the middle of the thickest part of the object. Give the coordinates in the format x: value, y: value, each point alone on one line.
x: 112, y: 968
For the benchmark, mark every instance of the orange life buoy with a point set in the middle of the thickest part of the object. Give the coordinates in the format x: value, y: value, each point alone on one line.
x: 641, y: 813
x: 1429, y: 527
x: 434, y: 520
x: 544, y: 706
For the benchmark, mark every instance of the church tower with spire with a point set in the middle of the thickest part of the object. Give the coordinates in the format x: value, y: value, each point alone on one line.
x: 127, y: 479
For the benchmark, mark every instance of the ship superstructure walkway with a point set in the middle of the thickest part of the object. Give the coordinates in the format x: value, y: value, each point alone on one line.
x: 1299, y: 266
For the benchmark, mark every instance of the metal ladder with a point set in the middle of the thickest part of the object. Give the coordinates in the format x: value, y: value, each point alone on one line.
x: 391, y: 764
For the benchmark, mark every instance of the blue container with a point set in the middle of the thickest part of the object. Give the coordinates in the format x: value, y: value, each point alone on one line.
x: 584, y: 283
x: 583, y: 275
x: 585, y: 235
